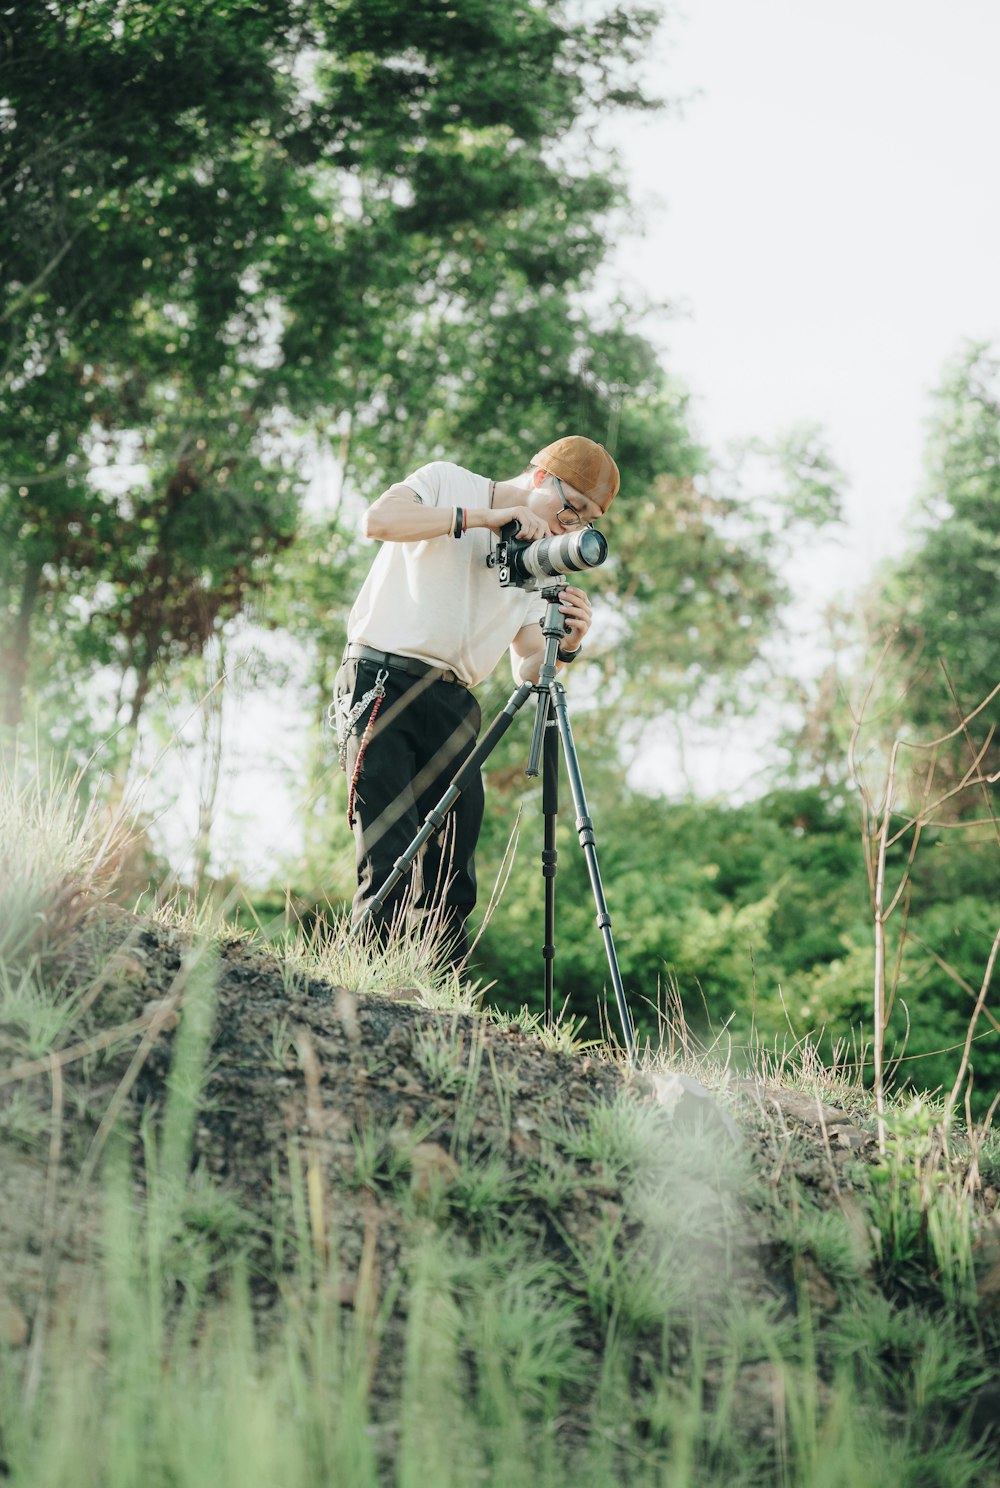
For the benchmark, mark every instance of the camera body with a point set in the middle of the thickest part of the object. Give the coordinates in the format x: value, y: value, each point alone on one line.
x: 532, y: 565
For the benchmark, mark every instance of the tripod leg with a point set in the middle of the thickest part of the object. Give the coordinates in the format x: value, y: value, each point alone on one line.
x: 550, y: 811
x: 436, y: 816
x: 585, y: 830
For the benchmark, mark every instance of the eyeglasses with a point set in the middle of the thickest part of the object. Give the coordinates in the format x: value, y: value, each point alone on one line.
x: 574, y: 519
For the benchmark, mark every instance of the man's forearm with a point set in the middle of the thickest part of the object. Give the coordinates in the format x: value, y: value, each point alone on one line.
x: 529, y: 668
x: 399, y: 516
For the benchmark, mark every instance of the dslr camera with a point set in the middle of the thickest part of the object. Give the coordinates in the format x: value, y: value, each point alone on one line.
x: 532, y: 565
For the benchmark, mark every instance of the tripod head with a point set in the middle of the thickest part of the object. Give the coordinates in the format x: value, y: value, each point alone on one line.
x: 553, y: 629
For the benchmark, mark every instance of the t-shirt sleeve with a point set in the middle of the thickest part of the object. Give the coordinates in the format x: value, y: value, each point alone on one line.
x: 427, y: 482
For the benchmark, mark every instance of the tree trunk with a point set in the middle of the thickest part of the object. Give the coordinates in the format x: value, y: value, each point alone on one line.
x: 14, y: 656
x: 127, y: 737
x: 212, y: 712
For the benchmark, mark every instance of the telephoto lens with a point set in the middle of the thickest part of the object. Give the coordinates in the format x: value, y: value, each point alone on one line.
x: 529, y: 564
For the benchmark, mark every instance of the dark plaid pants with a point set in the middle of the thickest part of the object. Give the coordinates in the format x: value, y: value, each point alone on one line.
x: 424, y: 730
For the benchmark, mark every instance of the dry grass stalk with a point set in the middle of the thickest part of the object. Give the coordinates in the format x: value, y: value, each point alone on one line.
x: 879, y: 836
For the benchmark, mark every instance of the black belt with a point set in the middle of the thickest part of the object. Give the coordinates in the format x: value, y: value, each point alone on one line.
x: 357, y: 652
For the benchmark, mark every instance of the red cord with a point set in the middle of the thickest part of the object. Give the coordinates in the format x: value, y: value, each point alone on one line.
x: 361, y: 754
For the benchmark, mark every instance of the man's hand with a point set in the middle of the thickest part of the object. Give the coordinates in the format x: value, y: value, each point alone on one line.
x: 575, y: 609
x: 531, y: 526
x: 528, y: 646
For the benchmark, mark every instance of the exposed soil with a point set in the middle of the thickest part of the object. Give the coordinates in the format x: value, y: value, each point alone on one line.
x: 389, y: 1102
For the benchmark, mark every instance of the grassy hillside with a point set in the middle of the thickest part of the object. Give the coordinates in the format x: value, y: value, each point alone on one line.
x: 292, y: 1215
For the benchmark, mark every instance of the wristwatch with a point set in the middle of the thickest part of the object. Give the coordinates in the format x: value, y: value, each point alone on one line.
x: 568, y: 656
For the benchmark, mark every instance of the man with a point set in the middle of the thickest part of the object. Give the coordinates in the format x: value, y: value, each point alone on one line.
x: 431, y: 621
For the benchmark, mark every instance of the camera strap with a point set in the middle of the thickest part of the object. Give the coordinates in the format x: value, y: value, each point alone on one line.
x: 345, y: 721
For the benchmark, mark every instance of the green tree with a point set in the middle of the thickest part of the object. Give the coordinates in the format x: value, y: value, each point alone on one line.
x: 216, y: 212
x: 942, y: 599
x: 132, y: 501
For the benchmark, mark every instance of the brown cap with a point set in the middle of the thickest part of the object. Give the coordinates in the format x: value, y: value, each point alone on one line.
x: 585, y: 465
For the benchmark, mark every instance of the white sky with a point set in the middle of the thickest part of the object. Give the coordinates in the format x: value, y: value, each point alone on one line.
x: 829, y: 223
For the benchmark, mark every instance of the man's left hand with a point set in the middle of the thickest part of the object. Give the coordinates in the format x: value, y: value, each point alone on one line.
x: 577, y: 614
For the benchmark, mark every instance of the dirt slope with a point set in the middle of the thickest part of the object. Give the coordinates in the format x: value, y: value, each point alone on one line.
x: 405, y: 1116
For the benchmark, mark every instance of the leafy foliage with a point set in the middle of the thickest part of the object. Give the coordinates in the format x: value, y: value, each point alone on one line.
x: 942, y: 597
x: 223, y: 219
x: 758, y: 916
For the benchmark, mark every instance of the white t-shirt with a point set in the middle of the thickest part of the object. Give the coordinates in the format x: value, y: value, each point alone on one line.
x: 436, y: 599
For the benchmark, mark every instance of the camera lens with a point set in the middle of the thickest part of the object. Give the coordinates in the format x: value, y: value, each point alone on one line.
x: 567, y: 553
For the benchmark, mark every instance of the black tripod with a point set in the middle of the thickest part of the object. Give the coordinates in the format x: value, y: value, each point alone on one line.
x: 552, y: 725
